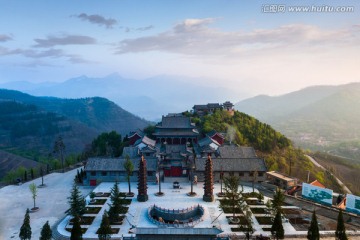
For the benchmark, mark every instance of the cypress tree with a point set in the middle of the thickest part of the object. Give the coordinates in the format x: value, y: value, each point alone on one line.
x: 25, y: 230
x: 32, y: 173
x: 313, y: 232
x: 76, y: 201
x: 340, y: 233
x: 277, y: 229
x: 46, y: 233
x: 278, y: 200
x: 105, y: 231
x: 25, y: 176
x: 76, y: 233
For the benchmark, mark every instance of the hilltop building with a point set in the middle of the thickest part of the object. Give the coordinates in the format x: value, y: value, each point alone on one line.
x: 212, y: 107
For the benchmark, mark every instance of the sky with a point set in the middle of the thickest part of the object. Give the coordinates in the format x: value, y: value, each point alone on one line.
x: 258, y: 47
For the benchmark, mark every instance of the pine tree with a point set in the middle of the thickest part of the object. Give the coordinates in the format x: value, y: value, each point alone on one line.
x: 277, y: 229
x: 105, y: 231
x: 233, y: 195
x: 116, y: 206
x: 142, y: 183
x: 313, y: 232
x: 32, y: 173
x: 76, y: 201
x: 209, y: 181
x: 46, y: 233
x: 278, y: 200
x: 25, y: 230
x: 76, y: 233
x: 340, y: 233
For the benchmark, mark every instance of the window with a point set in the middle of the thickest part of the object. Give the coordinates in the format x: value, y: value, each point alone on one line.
x: 261, y: 174
x: 112, y: 173
x: 93, y: 173
x: 241, y: 174
x: 150, y: 174
x: 251, y: 174
x: 103, y: 173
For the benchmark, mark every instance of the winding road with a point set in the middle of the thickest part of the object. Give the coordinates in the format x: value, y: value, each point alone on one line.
x: 345, y: 188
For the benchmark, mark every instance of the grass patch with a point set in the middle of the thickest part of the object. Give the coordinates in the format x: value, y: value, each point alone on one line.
x: 92, y: 210
x: 83, y: 230
x: 264, y: 220
x: 258, y: 210
x: 85, y: 220
x: 125, y: 201
x: 98, y: 202
x: 254, y: 202
x: 237, y: 230
x: 230, y: 210
x: 251, y: 195
x: 113, y: 231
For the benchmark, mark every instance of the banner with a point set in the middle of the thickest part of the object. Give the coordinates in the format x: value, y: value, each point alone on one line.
x: 352, y: 203
x: 317, y: 194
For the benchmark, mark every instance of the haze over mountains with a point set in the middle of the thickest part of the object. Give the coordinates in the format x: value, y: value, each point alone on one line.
x: 34, y: 122
x: 148, y: 98
x: 319, y: 117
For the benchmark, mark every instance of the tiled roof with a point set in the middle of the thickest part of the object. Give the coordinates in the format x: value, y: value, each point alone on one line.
x: 233, y: 151
x: 233, y: 164
x: 117, y: 164
x: 131, y: 151
x: 175, y: 121
x: 177, y: 133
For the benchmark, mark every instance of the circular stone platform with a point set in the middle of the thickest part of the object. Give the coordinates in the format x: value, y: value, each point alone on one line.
x: 187, y: 217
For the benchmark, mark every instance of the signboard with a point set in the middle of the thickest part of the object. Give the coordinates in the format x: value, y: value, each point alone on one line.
x: 317, y: 194
x: 353, y: 203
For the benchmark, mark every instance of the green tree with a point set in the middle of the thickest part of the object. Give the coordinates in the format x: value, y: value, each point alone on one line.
x: 340, y: 233
x: 46, y: 233
x: 116, y: 206
x: 313, y: 232
x: 25, y: 230
x: 76, y: 201
x: 107, y: 144
x: 233, y: 195
x: 247, y: 227
x: 59, y: 148
x: 76, y: 232
x: 32, y: 173
x: 33, y: 190
x: 278, y: 201
x: 105, y: 231
x: 277, y: 229
x: 129, y: 168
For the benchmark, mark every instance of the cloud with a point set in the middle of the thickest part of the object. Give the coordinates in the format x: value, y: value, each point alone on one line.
x: 195, y: 37
x: 50, y: 53
x: 52, y: 41
x: 142, y: 29
x: 98, y: 19
x: 5, y: 38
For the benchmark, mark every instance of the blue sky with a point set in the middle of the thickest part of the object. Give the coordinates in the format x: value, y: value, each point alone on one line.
x: 233, y: 43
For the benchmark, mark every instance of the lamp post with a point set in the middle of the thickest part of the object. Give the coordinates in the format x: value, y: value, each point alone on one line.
x: 192, y: 167
x: 158, y: 168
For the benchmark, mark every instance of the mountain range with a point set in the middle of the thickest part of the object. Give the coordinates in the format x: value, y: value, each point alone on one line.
x: 34, y: 122
x: 149, y: 98
x: 319, y: 118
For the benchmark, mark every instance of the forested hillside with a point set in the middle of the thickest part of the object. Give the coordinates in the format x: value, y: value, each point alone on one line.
x: 277, y: 150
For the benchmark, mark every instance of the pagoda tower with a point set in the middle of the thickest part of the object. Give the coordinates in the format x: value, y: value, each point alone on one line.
x: 209, y: 181
x: 142, y: 183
